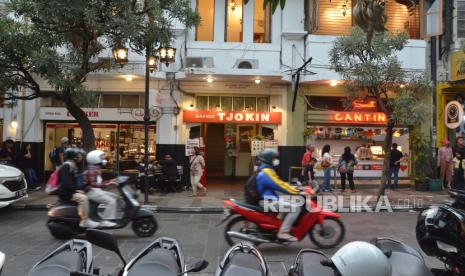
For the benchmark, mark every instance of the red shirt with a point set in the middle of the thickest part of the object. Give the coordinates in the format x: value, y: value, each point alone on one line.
x: 307, y: 158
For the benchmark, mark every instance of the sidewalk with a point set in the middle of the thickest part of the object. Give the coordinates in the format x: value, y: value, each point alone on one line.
x: 403, y: 199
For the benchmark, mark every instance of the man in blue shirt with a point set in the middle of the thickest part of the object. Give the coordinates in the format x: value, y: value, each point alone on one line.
x: 269, y: 185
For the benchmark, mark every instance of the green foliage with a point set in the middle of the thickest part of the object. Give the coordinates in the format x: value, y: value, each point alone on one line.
x: 274, y: 4
x: 421, y: 155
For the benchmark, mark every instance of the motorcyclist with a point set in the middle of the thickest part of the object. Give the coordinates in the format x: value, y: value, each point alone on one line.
x: 268, y: 186
x: 94, y: 184
x: 68, y: 189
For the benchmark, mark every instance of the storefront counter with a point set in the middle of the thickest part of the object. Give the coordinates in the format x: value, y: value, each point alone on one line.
x: 367, y: 169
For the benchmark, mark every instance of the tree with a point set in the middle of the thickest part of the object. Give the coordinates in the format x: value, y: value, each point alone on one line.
x: 274, y: 4
x: 376, y: 73
x: 59, y: 41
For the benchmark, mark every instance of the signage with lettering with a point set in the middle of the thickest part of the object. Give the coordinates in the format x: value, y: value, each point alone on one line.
x: 364, y: 105
x: 457, y: 64
x: 453, y: 114
x: 359, y: 117
x: 203, y: 116
x: 101, y: 114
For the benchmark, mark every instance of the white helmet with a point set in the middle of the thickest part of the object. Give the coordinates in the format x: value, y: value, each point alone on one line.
x: 96, y: 157
x: 361, y: 258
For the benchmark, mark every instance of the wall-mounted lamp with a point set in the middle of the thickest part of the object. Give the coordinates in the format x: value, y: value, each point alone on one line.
x: 209, y: 79
x: 14, y: 124
x: 257, y: 81
x: 273, y: 107
x: 191, y: 105
x: 333, y: 83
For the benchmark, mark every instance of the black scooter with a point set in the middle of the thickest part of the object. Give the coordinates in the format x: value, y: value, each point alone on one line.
x: 63, y: 219
x: 243, y: 259
x: 72, y: 256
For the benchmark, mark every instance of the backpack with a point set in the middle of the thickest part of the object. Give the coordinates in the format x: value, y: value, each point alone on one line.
x: 52, y: 183
x: 53, y: 156
x: 252, y: 196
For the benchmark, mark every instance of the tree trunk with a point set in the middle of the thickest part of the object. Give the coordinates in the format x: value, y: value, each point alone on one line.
x: 88, y: 137
x: 387, y: 157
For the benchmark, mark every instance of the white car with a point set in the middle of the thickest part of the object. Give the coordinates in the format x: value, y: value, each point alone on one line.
x: 13, y: 185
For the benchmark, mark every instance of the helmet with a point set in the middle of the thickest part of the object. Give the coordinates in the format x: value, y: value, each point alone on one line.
x: 64, y: 140
x: 268, y: 155
x: 361, y: 258
x: 72, y: 154
x: 441, y: 224
x: 95, y: 157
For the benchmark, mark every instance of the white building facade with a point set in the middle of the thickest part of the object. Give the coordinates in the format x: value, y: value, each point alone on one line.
x: 231, y: 83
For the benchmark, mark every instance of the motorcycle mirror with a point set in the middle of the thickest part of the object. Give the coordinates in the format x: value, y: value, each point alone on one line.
x: 198, y: 266
x: 104, y: 240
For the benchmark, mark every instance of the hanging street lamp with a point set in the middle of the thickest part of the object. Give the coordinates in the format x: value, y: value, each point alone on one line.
x: 167, y: 55
x: 120, y: 54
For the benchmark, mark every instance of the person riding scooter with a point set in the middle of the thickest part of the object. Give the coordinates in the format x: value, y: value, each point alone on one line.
x: 269, y: 183
x: 68, y: 189
x: 94, y: 186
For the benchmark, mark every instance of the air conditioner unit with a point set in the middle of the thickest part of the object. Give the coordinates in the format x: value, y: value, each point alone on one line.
x: 199, y: 62
x: 246, y: 64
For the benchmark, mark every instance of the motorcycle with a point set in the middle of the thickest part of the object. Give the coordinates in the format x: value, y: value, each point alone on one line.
x: 2, y: 261
x: 400, y: 260
x: 242, y: 259
x: 253, y: 224
x: 72, y: 256
x: 458, y: 199
x: 63, y: 219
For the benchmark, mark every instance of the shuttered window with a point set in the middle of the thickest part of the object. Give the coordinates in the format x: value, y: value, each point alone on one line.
x: 461, y: 18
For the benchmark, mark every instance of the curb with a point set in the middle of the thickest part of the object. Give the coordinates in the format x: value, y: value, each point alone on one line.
x: 209, y: 210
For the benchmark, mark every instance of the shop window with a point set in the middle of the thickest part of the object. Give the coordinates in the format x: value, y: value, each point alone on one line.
x: 214, y: 103
x: 461, y: 18
x: 261, y: 23
x: 238, y: 104
x: 202, y: 103
x: 245, y: 133
x: 130, y: 101
x: 262, y: 105
x: 205, y: 30
x: 326, y: 103
x: 111, y: 101
x: 226, y: 103
x: 233, y: 26
x: 250, y: 104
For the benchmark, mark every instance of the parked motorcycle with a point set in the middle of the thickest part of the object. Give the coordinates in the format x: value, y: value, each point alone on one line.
x: 439, y: 232
x: 72, y: 256
x: 458, y: 199
x: 253, y: 224
x: 242, y: 259
x: 63, y: 219
x: 381, y: 257
x: 2, y: 261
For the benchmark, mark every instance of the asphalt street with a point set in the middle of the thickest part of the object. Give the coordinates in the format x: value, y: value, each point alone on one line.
x: 25, y: 239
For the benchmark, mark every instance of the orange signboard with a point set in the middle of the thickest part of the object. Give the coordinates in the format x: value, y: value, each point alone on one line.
x: 359, y: 117
x: 204, y: 116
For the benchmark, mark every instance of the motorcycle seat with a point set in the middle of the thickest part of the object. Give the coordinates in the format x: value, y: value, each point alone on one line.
x: 249, y: 206
x: 404, y: 264
x: 243, y: 264
x: 160, y: 262
x: 60, y: 264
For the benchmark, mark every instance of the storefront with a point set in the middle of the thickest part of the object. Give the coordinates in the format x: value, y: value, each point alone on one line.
x: 119, y: 134
x: 363, y: 130
x: 227, y: 125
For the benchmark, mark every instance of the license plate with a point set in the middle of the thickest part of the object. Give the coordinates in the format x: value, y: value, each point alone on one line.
x: 21, y: 193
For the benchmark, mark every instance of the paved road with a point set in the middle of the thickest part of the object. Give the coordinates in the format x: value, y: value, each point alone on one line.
x: 25, y: 239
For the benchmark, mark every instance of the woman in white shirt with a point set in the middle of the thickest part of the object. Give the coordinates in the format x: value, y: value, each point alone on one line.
x: 327, y: 165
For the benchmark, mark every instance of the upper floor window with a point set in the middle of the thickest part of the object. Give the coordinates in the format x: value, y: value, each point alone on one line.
x: 335, y: 17
x: 261, y: 23
x: 233, y: 103
x: 103, y: 100
x: 461, y: 18
x: 233, y: 25
x: 206, y: 10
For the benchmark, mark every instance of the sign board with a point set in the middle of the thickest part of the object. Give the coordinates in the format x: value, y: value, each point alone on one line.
x: 256, y: 146
x: 363, y: 105
x: 457, y: 65
x: 359, y: 117
x: 453, y: 114
x: 192, y: 143
x: 97, y: 114
x: 204, y: 116
x: 432, y: 19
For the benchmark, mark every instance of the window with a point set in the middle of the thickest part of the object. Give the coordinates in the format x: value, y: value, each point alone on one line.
x: 233, y: 24
x: 214, y: 102
x: 130, y: 101
x: 251, y: 104
x: 261, y: 23
x: 229, y: 103
x: 262, y: 105
x: 226, y: 103
x: 202, y: 103
x: 238, y: 104
x: 110, y: 101
x: 206, y: 10
x: 461, y: 19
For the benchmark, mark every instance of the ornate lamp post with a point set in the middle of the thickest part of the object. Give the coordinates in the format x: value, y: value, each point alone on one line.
x: 120, y: 54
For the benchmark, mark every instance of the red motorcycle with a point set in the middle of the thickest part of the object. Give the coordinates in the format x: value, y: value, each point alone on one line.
x: 253, y: 224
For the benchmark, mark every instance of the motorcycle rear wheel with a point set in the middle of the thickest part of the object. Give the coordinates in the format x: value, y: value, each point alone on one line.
x: 239, y: 221
x: 327, y: 231
x: 144, y: 226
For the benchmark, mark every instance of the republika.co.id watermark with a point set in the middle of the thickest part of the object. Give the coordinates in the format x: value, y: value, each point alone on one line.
x: 342, y: 204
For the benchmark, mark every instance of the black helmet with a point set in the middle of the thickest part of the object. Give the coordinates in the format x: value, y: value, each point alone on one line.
x: 72, y: 154
x: 267, y: 156
x: 442, y: 224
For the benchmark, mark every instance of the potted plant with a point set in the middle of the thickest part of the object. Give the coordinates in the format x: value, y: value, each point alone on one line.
x: 421, y: 157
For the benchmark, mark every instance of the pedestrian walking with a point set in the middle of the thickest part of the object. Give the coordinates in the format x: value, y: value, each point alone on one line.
x: 306, y: 160
x: 58, y: 154
x: 346, y: 167
x: 394, y: 161
x: 197, y: 164
x: 445, y: 156
x: 458, y: 181
x: 327, y: 165
x: 27, y: 166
